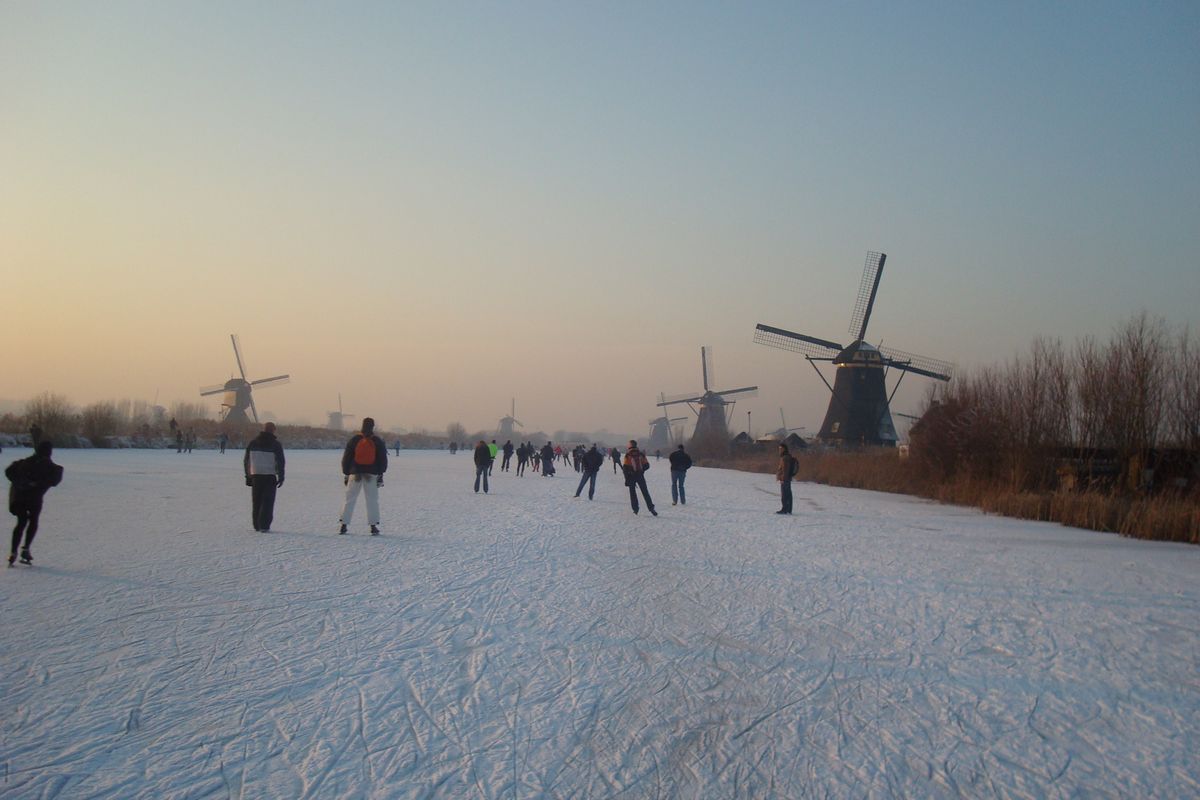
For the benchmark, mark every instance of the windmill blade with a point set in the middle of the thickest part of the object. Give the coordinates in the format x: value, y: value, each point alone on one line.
x: 237, y: 352
x: 921, y: 365
x: 253, y: 409
x: 795, y: 342
x: 689, y: 399
x: 750, y: 391
x: 677, y: 419
x: 278, y: 379
x: 872, y: 271
x: 706, y: 365
x: 518, y: 422
x: 216, y: 388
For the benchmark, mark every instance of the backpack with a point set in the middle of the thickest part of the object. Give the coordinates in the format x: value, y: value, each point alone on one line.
x: 364, y: 452
x: 793, y: 467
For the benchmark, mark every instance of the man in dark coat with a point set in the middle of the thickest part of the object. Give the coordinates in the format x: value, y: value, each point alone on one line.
x: 508, y: 454
x: 263, y: 464
x: 548, y: 460
x: 364, y: 461
x: 635, y: 467
x: 483, y: 464
x: 591, y: 462
x: 31, y: 478
x: 681, y: 462
x: 784, y: 474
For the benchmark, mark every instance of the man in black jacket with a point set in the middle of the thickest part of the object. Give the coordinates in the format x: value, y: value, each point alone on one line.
x: 264, y: 474
x: 363, y: 464
x: 31, y: 478
x: 591, y: 462
x: 483, y: 464
x: 681, y: 462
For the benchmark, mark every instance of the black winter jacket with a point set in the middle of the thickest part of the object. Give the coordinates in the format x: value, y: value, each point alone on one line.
x: 680, y: 460
x: 593, y: 460
x: 31, y: 478
x: 258, y: 459
x: 381, y: 459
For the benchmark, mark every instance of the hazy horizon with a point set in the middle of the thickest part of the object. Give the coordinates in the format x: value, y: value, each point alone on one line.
x: 434, y: 209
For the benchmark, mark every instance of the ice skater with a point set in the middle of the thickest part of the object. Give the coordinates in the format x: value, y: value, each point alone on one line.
x: 681, y: 462
x: 363, y: 464
x: 483, y: 465
x: 264, y: 474
x: 508, y: 454
x: 784, y: 474
x: 635, y: 467
x: 591, y: 462
x: 31, y: 478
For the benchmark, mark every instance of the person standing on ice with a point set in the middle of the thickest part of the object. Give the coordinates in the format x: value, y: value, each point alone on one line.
x: 616, y: 458
x: 264, y: 474
x: 548, y: 461
x: 591, y: 462
x: 508, y: 454
x: 635, y: 467
x: 493, y: 449
x: 31, y: 478
x: 522, y: 459
x: 681, y: 462
x: 363, y: 463
x: 483, y: 465
x: 784, y: 474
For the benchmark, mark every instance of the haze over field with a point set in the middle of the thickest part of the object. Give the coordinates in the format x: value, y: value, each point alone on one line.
x: 432, y: 209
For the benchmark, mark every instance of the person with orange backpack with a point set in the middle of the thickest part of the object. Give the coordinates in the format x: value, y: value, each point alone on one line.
x: 363, y: 464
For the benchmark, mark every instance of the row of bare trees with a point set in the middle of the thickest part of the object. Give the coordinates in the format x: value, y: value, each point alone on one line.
x: 1139, y: 392
x: 59, y: 419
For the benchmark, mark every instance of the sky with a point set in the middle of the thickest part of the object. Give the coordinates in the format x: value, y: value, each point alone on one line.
x: 434, y: 209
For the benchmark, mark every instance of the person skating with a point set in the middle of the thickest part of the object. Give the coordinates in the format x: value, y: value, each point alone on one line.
x: 591, y: 462
x: 483, y: 464
x: 548, y: 461
x: 363, y: 464
x: 784, y: 474
x: 635, y: 467
x: 681, y: 462
x: 31, y: 478
x: 616, y: 459
x: 223, y: 442
x: 264, y: 474
x: 522, y: 459
x: 493, y: 449
x: 508, y: 454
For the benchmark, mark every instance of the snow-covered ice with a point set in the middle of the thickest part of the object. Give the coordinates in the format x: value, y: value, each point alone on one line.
x: 526, y: 644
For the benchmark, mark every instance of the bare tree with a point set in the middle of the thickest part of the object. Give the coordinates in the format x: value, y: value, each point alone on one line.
x: 53, y: 413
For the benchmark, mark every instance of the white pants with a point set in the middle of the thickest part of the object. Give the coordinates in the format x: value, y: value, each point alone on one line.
x: 368, y: 484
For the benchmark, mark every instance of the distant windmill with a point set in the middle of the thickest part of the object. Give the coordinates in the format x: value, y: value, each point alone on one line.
x: 783, y: 432
x: 338, y: 418
x: 859, y: 408
x: 237, y: 398
x: 712, y: 421
x: 662, y: 433
x: 509, y: 424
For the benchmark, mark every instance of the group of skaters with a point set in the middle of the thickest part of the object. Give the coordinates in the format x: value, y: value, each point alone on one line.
x: 364, y: 462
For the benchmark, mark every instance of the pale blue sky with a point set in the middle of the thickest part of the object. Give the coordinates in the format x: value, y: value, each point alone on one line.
x: 563, y: 202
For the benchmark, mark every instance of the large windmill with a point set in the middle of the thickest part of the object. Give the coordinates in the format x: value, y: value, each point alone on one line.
x: 712, y: 421
x: 338, y: 418
x: 859, y: 409
x: 236, y: 391
x: 662, y: 435
x: 509, y: 424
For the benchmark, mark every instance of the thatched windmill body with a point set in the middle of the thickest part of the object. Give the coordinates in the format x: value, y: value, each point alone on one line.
x: 859, y: 407
x: 237, y: 397
x: 508, y: 425
x: 712, y: 411
x: 662, y: 433
x: 337, y: 419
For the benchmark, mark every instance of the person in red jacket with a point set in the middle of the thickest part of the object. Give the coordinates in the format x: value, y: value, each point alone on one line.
x: 363, y: 464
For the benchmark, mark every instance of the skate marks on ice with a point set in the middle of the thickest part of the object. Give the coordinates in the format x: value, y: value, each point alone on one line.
x: 536, y: 646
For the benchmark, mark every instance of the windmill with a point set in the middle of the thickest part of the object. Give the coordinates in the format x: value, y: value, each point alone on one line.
x: 236, y: 391
x: 712, y: 422
x: 662, y: 435
x: 783, y: 432
x: 337, y: 418
x: 509, y: 424
x: 859, y: 408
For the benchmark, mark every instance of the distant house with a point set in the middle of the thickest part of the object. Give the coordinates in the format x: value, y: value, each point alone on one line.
x: 794, y: 442
x: 742, y: 440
